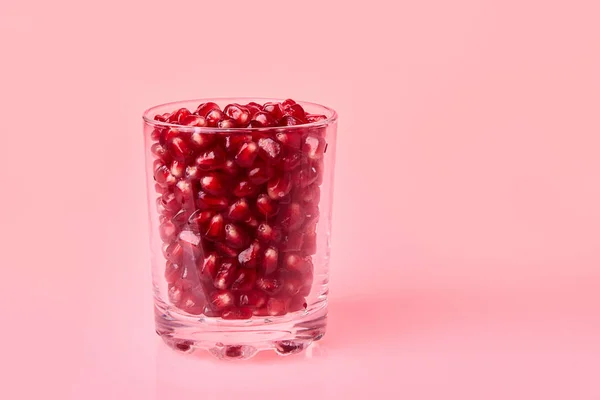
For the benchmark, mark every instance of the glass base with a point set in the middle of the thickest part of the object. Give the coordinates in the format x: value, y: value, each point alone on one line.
x: 240, y: 339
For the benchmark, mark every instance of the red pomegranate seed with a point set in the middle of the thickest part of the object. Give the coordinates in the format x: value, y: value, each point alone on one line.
x: 162, y: 117
x: 289, y: 120
x: 160, y: 189
x: 192, y: 172
x: 252, y: 222
x: 305, y: 177
x: 184, y: 193
x: 213, y: 118
x: 291, y: 161
x: 271, y: 285
x: 214, y: 184
x: 202, y: 141
x: 244, y: 280
x: 211, y: 159
x: 244, y: 189
x: 266, y: 206
x: 268, y: 149
x: 173, y: 252
x: 253, y: 108
x: 235, y: 237
x: 160, y: 152
x: 226, y: 251
x: 309, y: 246
x: 315, y: 118
x: 260, y: 312
x: 230, y: 168
x: 312, y: 194
x: 287, y: 102
x: 225, y: 274
x: 313, y: 147
x: 189, y: 237
x: 267, y: 233
x: 216, y: 228
x: 260, y: 174
x: 205, y: 201
x: 296, y: 111
x: 192, y: 303
x: 168, y: 231
x: 239, y: 211
x: 178, y: 115
x: 247, y: 154
x: 293, y: 241
x: 249, y: 258
x: 221, y: 299
x: 177, y: 168
x: 234, y: 142
x: 297, y: 303
x: 237, y: 313
x: 226, y: 123
x: 292, y: 217
x: 163, y: 176
x: 172, y: 272
x: 238, y: 113
x: 156, y: 134
x: 162, y: 210
x: 277, y: 306
x: 200, y: 218
x: 193, y: 120
x: 290, y: 139
x: 179, y: 148
x: 296, y: 262
x: 208, y: 272
x: 270, y: 260
x: 253, y: 299
x: 262, y: 120
x: 292, y: 284
x: 274, y: 109
x: 175, y: 293
x: 204, y: 108
x: 278, y: 188
x: 307, y: 286
x: 170, y: 202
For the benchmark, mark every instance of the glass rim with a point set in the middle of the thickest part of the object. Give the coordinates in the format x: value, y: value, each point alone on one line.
x: 148, y: 115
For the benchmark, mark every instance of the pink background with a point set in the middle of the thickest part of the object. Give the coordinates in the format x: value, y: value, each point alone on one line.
x: 466, y: 220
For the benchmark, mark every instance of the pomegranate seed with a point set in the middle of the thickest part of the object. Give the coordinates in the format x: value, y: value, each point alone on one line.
x: 267, y: 233
x: 288, y: 120
x: 225, y: 250
x: 277, y: 306
x: 178, y: 115
x: 172, y: 272
x: 160, y: 152
x: 213, y: 118
x: 293, y: 241
x: 253, y: 108
x: 211, y: 159
x: 253, y: 298
x: 270, y: 260
x: 235, y: 237
x: 239, y: 211
x: 313, y: 147
x: 247, y: 154
x: 261, y: 312
x: 297, y: 303
x: 262, y: 120
x: 225, y: 274
x: 200, y: 218
x: 305, y: 177
x: 213, y: 183
x: 271, y: 285
x: 252, y: 222
x: 156, y: 134
x: 163, y: 176
x: 163, y: 211
x: 239, y: 114
x: 234, y: 142
x: 291, y: 161
x: 221, y: 299
x: 216, y: 228
x: 236, y: 313
x: 274, y: 109
x: 204, y: 108
x: 260, y: 174
x: 202, y: 141
x: 266, y: 206
x: 315, y: 118
x: 189, y: 237
x: 231, y: 168
x: 309, y: 246
x: 177, y: 168
x: 192, y: 172
x: 295, y: 262
x: 206, y: 201
x: 162, y: 117
x: 167, y: 231
x: 249, y: 258
x: 192, y: 303
x: 184, y: 194
x: 277, y: 188
x: 268, y: 149
x: 208, y: 271
x: 175, y: 293
x: 312, y: 194
x: 287, y: 103
x: 290, y: 139
x: 170, y: 202
x: 179, y: 148
x: 245, y: 189
x: 244, y: 280
x: 292, y: 218
x: 173, y: 252
x: 292, y: 284
x: 296, y: 111
x: 193, y: 120
x: 161, y: 189
x: 307, y: 286
x: 227, y: 123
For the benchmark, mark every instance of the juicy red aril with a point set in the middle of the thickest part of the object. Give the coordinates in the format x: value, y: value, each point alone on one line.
x: 225, y: 250
x: 202, y: 141
x: 296, y: 262
x: 289, y: 120
x: 169, y: 201
x: 292, y: 217
x: 235, y: 237
x: 315, y: 118
x: 206, y: 201
x: 252, y: 222
x: 200, y: 218
x: 249, y: 258
x: 239, y: 211
x: 192, y: 303
x: 260, y: 174
x: 313, y: 147
x: 244, y: 189
x: 214, y: 184
x: 305, y: 177
x: 296, y: 111
x: 193, y: 120
x: 216, y: 228
x: 230, y: 168
x: 274, y: 109
x: 312, y: 194
x: 270, y: 260
x: 267, y: 233
x: 253, y: 298
x: 177, y: 168
x: 278, y: 188
x: 178, y: 115
x: 269, y: 149
x: 213, y: 118
x: 297, y: 303
x: 253, y: 108
x: 168, y: 231
x: 192, y: 172
x: 237, y: 313
x: 266, y: 206
x: 163, y: 176
x: 162, y: 117
x: 291, y: 162
x: 293, y: 241
x: 292, y: 284
x: 225, y: 275
x: 227, y: 123
x: 309, y: 246
x: 204, y: 108
x: 271, y: 285
x: 173, y: 252
x: 211, y: 159
x: 262, y: 120
x: 160, y: 152
x: 234, y: 141
x: 208, y: 270
x: 287, y: 102
x: 277, y: 306
x: 172, y: 272
x: 289, y: 139
x: 175, y: 293
x: 184, y: 194
x: 239, y: 114
x: 247, y: 154
x: 221, y: 299
x: 179, y: 148
x: 244, y: 280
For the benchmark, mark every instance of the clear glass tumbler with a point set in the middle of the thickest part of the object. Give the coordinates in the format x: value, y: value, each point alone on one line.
x: 240, y: 223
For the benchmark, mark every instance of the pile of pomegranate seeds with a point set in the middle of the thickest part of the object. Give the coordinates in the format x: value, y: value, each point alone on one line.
x: 238, y: 210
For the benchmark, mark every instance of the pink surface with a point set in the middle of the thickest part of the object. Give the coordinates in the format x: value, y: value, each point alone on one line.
x: 466, y: 226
